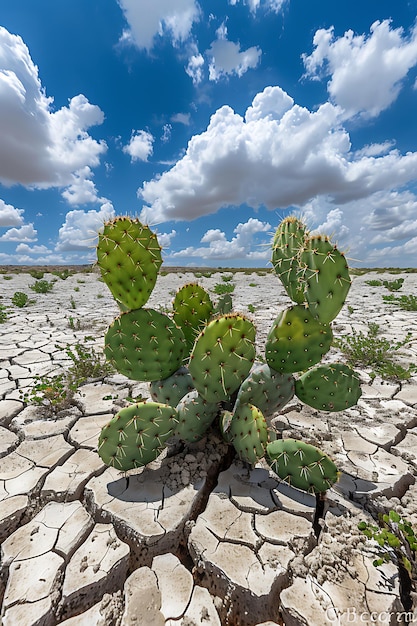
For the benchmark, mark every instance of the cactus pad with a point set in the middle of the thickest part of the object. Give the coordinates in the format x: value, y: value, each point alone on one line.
x: 222, y: 356
x: 327, y: 279
x: 192, y: 308
x: 296, y: 340
x: 266, y: 389
x: 144, y: 345
x: 136, y: 435
x: 301, y: 465
x: 249, y: 433
x: 288, y: 240
x: 194, y: 416
x: 170, y: 390
x: 129, y: 257
x: 332, y: 387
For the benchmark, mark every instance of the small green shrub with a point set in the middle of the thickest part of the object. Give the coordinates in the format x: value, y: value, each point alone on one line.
x: 56, y: 393
x: 20, y: 299
x: 7, y: 277
x: 397, y: 542
x: 227, y: 277
x: 3, y: 314
x: 222, y: 288
x: 251, y: 308
x: 393, y: 285
x: 405, y: 302
x: 374, y: 282
x: 376, y: 352
x: 62, y: 274
x: 42, y: 286
x: 37, y: 274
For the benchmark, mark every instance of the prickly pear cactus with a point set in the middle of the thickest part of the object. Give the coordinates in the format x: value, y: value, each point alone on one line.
x: 200, y: 360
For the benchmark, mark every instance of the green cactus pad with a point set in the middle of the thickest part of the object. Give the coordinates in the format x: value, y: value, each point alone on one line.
x: 170, y: 390
x: 301, y: 465
x: 144, y: 345
x: 192, y: 308
x: 222, y: 356
x: 296, y: 340
x: 136, y: 435
x: 288, y: 240
x: 249, y: 433
x: 332, y: 387
x: 195, y: 415
x: 129, y: 257
x: 327, y: 279
x: 266, y: 389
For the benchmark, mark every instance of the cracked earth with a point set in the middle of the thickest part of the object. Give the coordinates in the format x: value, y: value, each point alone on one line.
x: 195, y: 537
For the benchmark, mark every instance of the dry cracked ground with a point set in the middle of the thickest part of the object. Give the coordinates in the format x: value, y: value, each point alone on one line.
x: 196, y: 537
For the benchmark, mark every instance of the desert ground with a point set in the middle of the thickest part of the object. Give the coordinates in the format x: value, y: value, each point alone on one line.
x: 196, y: 537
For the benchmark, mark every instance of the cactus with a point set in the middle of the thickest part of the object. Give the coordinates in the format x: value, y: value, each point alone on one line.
x: 266, y: 389
x: 144, y: 345
x: 192, y: 309
x: 332, y: 387
x: 136, y: 435
x: 129, y: 257
x: 326, y: 276
x: 297, y: 340
x: 302, y: 465
x: 172, y: 389
x: 202, y: 370
x: 222, y: 356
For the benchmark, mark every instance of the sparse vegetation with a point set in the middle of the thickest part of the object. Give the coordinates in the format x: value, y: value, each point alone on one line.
x: 20, y: 299
x: 3, y: 314
x: 378, y: 353
x: 42, y: 286
x: 55, y: 393
x: 222, y: 288
x: 405, y: 302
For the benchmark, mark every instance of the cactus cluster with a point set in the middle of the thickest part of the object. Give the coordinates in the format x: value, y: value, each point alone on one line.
x: 200, y: 360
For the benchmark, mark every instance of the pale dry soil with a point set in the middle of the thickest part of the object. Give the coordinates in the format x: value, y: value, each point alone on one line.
x: 196, y: 537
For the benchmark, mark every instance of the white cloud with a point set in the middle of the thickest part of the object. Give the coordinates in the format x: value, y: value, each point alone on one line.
x: 149, y: 19
x: 366, y: 72
x: 274, y: 5
x: 82, y: 190
x: 79, y: 232
x: 226, y: 58
x: 195, y: 67
x: 9, y: 215
x: 333, y: 225
x: 140, y: 146
x: 181, y: 118
x: 23, y: 248
x: 25, y: 233
x: 40, y: 148
x: 239, y: 247
x: 279, y: 155
x: 164, y: 239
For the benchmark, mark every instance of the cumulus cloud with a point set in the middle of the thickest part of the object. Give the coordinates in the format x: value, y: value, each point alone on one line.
x: 23, y: 248
x: 140, y: 146
x: 366, y: 72
x: 280, y: 154
x: 181, y: 118
x: 80, y: 230
x: 25, y: 233
x: 149, y: 19
x: 164, y: 239
x: 226, y: 57
x: 333, y: 225
x: 219, y: 247
x: 195, y: 67
x: 40, y: 147
x: 9, y: 215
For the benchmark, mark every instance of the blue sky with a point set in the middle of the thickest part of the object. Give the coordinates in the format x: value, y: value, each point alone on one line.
x: 210, y: 124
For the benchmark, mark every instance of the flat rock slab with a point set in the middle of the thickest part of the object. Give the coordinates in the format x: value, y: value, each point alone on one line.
x: 67, y: 481
x: 95, y: 568
x: 243, y: 552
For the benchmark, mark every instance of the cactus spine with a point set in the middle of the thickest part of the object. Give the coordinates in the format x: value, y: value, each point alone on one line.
x: 200, y: 361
